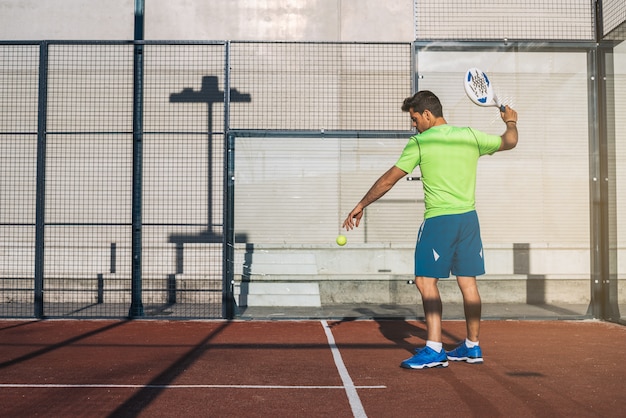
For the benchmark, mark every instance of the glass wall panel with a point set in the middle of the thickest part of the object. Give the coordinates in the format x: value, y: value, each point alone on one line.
x: 619, y: 92
x: 533, y: 201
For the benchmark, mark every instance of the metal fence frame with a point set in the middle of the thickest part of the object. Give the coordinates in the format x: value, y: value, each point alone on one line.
x: 603, y: 279
x: 603, y: 285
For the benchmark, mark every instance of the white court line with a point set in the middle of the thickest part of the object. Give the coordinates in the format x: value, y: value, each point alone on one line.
x: 353, y: 396
x: 105, y: 386
x: 348, y: 385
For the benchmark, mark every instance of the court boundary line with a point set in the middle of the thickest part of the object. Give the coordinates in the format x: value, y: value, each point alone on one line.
x: 353, y: 396
x: 152, y: 386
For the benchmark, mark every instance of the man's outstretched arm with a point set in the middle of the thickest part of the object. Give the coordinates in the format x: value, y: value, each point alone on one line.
x: 380, y: 187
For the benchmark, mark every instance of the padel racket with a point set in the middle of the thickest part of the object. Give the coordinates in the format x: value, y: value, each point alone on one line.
x: 480, y: 90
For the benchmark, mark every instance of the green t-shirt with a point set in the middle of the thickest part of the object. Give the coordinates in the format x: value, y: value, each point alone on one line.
x: 448, y: 157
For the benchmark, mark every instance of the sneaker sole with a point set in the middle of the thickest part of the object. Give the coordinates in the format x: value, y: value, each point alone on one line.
x: 470, y: 360
x: 434, y: 365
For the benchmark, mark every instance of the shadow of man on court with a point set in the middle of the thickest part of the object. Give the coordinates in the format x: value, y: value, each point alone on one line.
x: 395, y: 327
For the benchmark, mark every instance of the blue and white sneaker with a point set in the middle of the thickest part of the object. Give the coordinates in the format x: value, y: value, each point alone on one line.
x: 462, y: 352
x: 426, y: 358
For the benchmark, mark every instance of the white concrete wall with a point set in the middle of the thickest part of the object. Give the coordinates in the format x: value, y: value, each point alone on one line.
x: 292, y: 20
x: 66, y: 19
x: 277, y: 20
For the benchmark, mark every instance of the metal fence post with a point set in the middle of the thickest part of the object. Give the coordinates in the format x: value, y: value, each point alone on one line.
x: 228, y: 297
x: 136, y: 307
x: 40, y: 211
x: 228, y: 303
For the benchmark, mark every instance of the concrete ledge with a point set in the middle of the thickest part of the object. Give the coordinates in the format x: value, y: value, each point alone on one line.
x: 280, y: 294
x: 389, y: 289
x: 379, y: 273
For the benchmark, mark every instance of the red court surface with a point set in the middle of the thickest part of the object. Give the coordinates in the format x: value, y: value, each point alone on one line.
x: 306, y: 369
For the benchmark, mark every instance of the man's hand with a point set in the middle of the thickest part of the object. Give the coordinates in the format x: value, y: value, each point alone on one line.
x: 354, y: 218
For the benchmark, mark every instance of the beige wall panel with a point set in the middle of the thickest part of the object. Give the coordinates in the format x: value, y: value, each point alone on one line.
x: 303, y: 20
x: 66, y: 19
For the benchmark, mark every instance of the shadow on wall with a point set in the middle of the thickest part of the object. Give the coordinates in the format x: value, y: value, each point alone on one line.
x: 247, y: 271
x: 210, y: 94
x: 535, y: 283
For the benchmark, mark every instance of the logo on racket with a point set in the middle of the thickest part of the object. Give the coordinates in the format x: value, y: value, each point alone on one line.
x: 478, y: 82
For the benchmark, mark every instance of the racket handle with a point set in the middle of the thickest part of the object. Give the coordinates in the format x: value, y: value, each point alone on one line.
x: 502, y: 108
x: 413, y: 178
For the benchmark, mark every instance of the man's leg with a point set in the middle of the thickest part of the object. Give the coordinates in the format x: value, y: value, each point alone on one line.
x: 433, y: 355
x: 472, y: 305
x: 469, y: 350
x: 431, y: 301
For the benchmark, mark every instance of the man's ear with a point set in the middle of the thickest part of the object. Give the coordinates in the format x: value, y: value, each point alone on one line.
x: 427, y: 115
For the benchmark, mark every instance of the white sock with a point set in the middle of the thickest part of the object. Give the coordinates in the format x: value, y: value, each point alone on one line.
x: 470, y: 344
x: 433, y: 345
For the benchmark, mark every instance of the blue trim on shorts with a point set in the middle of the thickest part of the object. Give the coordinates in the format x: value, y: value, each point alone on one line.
x: 450, y: 244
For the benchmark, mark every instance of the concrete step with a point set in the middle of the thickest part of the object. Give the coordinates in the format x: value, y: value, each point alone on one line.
x: 280, y: 294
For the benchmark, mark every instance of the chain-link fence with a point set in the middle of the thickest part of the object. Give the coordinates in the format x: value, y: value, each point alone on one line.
x: 186, y: 179
x: 72, y: 169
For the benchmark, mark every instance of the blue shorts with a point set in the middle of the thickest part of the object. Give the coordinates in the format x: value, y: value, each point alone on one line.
x: 449, y: 244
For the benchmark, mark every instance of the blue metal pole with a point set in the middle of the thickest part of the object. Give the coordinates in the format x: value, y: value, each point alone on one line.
x: 40, y: 211
x: 136, y: 307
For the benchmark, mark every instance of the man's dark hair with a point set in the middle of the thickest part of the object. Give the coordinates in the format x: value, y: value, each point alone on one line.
x: 421, y: 101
